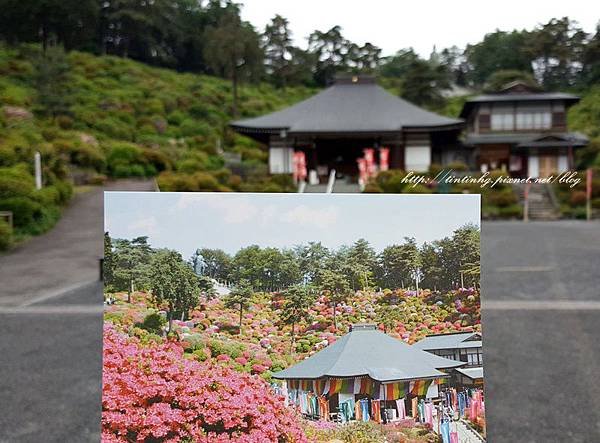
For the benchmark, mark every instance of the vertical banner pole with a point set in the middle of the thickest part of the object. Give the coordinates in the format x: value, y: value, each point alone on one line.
x: 526, y: 203
x: 38, y: 170
x: 589, y: 194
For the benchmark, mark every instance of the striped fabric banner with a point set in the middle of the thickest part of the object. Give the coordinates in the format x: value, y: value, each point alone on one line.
x: 394, y: 391
x: 341, y: 385
x: 293, y: 384
x: 306, y: 385
x: 420, y: 387
x: 363, y: 385
x: 320, y: 386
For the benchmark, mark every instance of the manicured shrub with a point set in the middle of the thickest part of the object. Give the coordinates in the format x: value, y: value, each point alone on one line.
x: 391, y: 181
x: 5, y: 235
x: 206, y: 182
x: 372, y: 188
x: 190, y: 127
x: 153, y: 323
x: 16, y: 181
x: 137, y: 171
x: 173, y: 182
x: 47, y: 196
x: 156, y: 158
x: 87, y: 156
x: 114, y: 128
x: 457, y: 166
x: 191, y: 165
x: 510, y: 211
x: 65, y: 190
x: 25, y: 211
x: 502, y: 198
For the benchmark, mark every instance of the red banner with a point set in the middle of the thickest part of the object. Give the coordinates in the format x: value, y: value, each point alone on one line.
x: 362, y: 169
x: 299, y: 166
x: 588, y: 183
x: 370, y: 161
x: 384, y: 159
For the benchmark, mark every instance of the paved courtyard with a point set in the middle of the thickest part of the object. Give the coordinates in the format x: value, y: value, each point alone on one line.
x: 541, y: 305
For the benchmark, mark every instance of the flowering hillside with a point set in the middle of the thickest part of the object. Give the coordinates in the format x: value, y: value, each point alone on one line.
x: 153, y: 393
x: 212, y: 332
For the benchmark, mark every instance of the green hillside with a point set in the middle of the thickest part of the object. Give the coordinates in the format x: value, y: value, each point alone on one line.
x: 93, y: 117
x: 96, y: 117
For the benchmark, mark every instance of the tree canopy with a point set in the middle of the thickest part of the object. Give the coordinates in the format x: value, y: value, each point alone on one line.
x: 211, y: 37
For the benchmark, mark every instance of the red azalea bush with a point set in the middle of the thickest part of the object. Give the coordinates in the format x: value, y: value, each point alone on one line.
x: 153, y: 393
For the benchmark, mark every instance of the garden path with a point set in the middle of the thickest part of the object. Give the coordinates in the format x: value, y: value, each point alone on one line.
x: 65, y: 258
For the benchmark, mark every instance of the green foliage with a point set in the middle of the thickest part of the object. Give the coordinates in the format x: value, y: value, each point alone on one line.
x: 153, y: 323
x: 239, y: 298
x: 421, y: 81
x: 399, y: 263
x: 173, y: 283
x: 52, y: 81
x: 298, y: 300
x: 131, y: 259
x: 25, y: 211
x: 498, y: 50
x: 265, y: 269
x: 585, y: 116
x: 499, y: 79
x: 219, y: 347
x: 6, y: 239
x: 353, y: 432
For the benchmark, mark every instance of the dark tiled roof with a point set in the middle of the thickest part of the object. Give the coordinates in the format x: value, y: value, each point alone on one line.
x: 346, y: 107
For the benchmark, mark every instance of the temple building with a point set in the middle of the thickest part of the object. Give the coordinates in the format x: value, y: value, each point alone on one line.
x: 367, y: 365
x: 522, y: 131
x: 333, y: 127
x: 466, y: 347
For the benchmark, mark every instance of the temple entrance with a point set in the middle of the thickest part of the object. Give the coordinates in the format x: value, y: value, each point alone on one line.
x: 548, y: 165
x: 340, y: 155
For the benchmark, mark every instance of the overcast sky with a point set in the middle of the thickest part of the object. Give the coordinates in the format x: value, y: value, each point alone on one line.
x: 228, y: 221
x: 394, y: 24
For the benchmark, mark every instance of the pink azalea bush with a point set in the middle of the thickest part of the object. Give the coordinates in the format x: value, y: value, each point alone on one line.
x: 153, y: 393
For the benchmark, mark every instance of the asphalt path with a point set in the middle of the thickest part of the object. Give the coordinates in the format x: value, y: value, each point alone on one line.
x: 541, y: 292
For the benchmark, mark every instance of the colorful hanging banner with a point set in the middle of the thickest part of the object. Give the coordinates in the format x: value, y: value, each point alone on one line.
x: 420, y: 387
x: 339, y: 385
x: 394, y: 391
x: 306, y: 385
x: 363, y: 385
x: 293, y: 384
x: 320, y: 386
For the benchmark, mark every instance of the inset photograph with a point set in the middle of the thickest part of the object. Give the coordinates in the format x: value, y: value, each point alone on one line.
x: 292, y: 318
